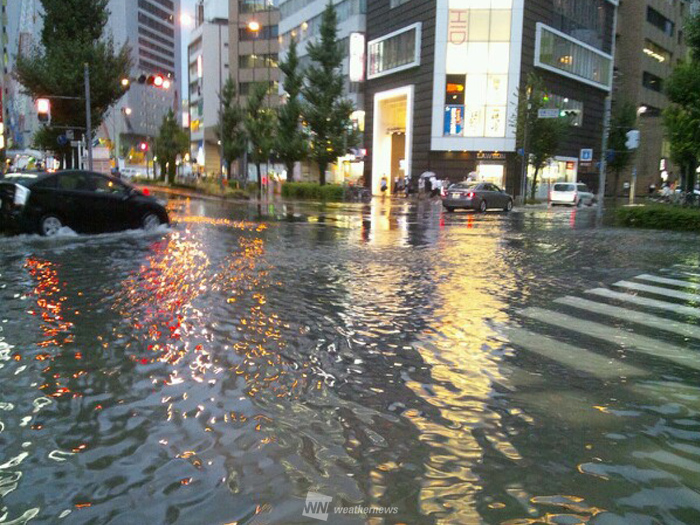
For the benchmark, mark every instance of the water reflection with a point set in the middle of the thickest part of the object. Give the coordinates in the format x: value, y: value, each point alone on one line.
x: 218, y: 371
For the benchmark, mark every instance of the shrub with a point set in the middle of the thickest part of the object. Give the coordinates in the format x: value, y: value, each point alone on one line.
x: 660, y: 217
x: 313, y: 191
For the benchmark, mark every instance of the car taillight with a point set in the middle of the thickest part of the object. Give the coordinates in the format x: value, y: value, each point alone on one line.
x: 21, y: 195
x: 470, y: 195
x: 443, y: 193
x: 146, y: 192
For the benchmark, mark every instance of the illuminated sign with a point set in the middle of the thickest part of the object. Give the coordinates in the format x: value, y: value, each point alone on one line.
x: 454, y: 120
x: 357, y: 57
x: 490, y: 155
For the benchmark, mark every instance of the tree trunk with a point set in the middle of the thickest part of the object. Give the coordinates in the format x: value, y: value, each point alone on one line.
x: 290, y: 171
x: 616, y: 187
x: 257, y: 168
x: 172, y: 172
x: 322, y: 166
x: 533, y: 190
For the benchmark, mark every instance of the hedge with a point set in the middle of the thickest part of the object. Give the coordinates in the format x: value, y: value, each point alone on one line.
x: 660, y: 217
x: 313, y: 191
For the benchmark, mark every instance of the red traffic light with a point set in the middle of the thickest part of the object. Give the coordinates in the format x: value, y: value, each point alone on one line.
x: 143, y: 146
x: 43, y: 109
x: 158, y: 81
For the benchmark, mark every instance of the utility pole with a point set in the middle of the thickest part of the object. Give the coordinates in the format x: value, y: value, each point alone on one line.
x: 523, y: 175
x: 88, y: 117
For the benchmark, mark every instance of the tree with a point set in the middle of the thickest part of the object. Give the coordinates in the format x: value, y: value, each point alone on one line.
x: 543, y: 135
x: 73, y: 35
x: 171, y: 141
x: 231, y: 120
x: 682, y: 117
x: 623, y: 120
x: 260, y: 128
x: 291, y: 143
x: 326, y: 110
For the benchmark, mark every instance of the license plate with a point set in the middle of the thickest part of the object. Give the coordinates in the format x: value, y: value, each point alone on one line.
x: 456, y: 195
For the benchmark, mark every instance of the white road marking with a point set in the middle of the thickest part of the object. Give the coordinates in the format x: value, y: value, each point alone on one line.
x: 628, y: 340
x: 644, y: 301
x: 670, y: 282
x: 626, y: 314
x: 658, y: 291
x: 571, y: 356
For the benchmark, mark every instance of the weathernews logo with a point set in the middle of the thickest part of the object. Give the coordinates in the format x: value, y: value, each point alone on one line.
x: 318, y: 506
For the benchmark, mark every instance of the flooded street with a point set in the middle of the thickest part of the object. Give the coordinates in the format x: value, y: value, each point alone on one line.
x: 458, y: 368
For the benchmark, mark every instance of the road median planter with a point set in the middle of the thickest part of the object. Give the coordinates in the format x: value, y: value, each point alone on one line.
x: 313, y: 191
x: 659, y: 217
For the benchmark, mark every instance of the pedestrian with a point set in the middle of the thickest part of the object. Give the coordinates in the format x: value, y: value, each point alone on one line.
x: 383, y: 185
x: 434, y: 187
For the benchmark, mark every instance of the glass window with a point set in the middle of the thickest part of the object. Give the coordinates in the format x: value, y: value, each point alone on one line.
x: 104, y: 185
x: 73, y: 181
x: 47, y: 182
x: 563, y: 55
x: 396, y: 52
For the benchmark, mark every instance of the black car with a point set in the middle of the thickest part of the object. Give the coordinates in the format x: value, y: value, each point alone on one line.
x: 478, y: 196
x: 86, y: 202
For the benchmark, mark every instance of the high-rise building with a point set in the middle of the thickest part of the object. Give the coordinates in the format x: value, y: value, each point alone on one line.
x: 301, y: 20
x: 152, y: 30
x: 208, y: 71
x: 650, y: 43
x: 444, y: 77
x: 21, y: 26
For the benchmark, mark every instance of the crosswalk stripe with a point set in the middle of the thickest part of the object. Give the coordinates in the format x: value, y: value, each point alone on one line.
x: 670, y: 282
x: 644, y: 301
x: 680, y: 272
x: 570, y: 356
x: 629, y: 340
x: 625, y: 314
x: 657, y: 290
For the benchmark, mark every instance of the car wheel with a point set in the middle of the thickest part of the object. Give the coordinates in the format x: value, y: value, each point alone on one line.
x: 483, y: 206
x: 591, y: 203
x: 50, y: 225
x: 509, y: 206
x: 150, y: 221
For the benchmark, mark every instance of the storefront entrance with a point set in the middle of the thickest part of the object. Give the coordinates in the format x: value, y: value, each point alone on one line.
x: 393, y: 138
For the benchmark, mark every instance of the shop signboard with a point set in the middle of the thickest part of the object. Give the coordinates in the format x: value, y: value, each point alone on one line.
x: 454, y: 120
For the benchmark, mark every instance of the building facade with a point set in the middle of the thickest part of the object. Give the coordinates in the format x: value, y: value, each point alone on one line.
x: 208, y: 70
x: 650, y: 44
x: 151, y: 28
x: 301, y: 20
x: 444, y: 78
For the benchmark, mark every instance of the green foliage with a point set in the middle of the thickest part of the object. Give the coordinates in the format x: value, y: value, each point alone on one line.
x: 326, y: 111
x: 231, y: 119
x: 660, y: 217
x: 623, y: 120
x: 73, y: 35
x: 543, y: 135
x: 260, y: 128
x: 313, y: 191
x: 171, y: 141
x: 682, y: 118
x: 291, y: 143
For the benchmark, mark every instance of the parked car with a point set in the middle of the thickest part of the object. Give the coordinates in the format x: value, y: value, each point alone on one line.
x: 40, y: 202
x: 571, y: 194
x: 478, y: 196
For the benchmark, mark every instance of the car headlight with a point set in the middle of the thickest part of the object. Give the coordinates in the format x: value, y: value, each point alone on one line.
x: 21, y: 195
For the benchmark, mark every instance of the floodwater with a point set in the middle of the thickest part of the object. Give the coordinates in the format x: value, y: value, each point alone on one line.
x: 437, y: 368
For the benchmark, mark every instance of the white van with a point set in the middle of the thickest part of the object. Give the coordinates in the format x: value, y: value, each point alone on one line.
x: 571, y: 194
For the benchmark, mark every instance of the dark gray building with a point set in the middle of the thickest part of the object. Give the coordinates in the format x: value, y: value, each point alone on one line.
x: 444, y: 75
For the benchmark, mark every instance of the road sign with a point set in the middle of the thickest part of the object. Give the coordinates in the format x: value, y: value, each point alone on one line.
x: 70, y: 134
x: 62, y: 140
x: 548, y: 113
x: 75, y: 143
x: 586, y: 155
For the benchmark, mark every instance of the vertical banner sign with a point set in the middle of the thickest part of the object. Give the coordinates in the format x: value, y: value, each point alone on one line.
x: 454, y: 120
x: 357, y: 57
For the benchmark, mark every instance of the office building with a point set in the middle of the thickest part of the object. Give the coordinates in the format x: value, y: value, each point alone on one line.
x: 301, y: 20
x: 444, y: 77
x: 208, y: 70
x: 650, y: 43
x: 152, y: 30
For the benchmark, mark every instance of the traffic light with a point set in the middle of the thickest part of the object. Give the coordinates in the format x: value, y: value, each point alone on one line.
x: 632, y: 139
x: 159, y: 81
x: 143, y: 147
x: 43, y: 110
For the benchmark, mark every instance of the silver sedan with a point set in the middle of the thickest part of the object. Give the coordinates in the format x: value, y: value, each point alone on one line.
x: 478, y: 196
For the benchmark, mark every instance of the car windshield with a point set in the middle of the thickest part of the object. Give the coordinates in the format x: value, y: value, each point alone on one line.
x: 464, y: 186
x: 564, y: 187
x: 22, y: 178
